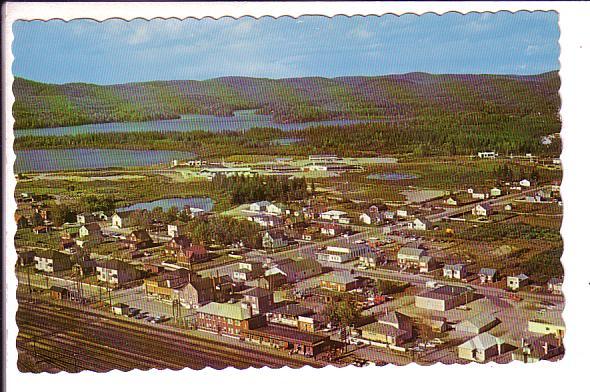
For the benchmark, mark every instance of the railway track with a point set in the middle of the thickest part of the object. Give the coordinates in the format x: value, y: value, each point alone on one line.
x: 105, y: 342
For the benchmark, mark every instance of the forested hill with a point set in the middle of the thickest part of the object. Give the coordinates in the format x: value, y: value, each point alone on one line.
x: 289, y: 100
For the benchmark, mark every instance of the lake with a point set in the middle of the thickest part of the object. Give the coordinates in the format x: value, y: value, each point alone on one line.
x: 391, y: 176
x: 87, y: 158
x: 203, y: 203
x: 240, y: 121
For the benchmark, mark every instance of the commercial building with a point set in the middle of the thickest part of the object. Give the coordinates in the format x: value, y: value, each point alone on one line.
x: 444, y: 298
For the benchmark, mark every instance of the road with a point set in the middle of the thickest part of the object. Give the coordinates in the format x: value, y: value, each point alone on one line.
x: 75, y: 339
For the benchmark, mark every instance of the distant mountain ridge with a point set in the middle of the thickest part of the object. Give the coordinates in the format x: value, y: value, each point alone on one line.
x: 288, y: 100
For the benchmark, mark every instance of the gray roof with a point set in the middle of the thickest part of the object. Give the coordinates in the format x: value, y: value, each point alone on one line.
x: 482, y: 342
x: 488, y: 271
x: 258, y: 292
x: 339, y: 277
x: 409, y: 251
x: 454, y: 267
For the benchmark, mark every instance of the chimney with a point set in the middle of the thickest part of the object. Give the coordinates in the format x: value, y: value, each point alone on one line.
x: 546, y: 348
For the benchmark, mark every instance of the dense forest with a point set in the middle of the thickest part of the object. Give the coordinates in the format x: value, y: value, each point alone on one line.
x: 478, y: 98
x: 244, y: 189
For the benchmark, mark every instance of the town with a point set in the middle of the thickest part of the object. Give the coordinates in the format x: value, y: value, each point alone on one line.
x: 291, y: 260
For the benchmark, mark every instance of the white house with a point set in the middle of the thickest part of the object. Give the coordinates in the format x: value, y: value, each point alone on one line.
x: 455, y: 271
x: 121, y: 219
x: 421, y: 224
x: 483, y: 209
x: 276, y: 209
x: 481, y: 348
x: 274, y: 239
x: 516, y: 282
x: 495, y: 192
x: 90, y: 230
x: 342, y: 254
x: 487, y: 154
x: 259, y: 206
x: 175, y: 229
x: 525, y: 183
x: 452, y: 201
x: 335, y: 216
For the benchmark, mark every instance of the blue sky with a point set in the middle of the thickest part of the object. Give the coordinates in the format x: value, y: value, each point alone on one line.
x: 116, y: 51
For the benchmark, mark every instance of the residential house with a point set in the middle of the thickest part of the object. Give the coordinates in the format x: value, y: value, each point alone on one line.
x: 90, y: 230
x: 393, y: 329
x: 176, y: 229
x: 487, y: 154
x: 190, y: 256
x: 555, y: 285
x: 266, y: 220
x: 259, y: 206
x: 248, y: 270
x: 296, y: 270
x: 455, y: 271
x: 438, y: 324
x: 495, y: 192
x: 272, y: 281
x: 508, y: 207
x: 52, y: 261
x: 488, y: 275
x: 371, y: 218
x: 164, y: 284
x: 481, y: 348
x: 332, y: 229
x: 477, y: 324
x: 525, y: 183
x: 260, y: 300
x: 335, y: 216
x: 176, y: 244
x: 139, y: 239
x: 341, y: 254
x: 197, y: 291
x: 85, y: 218
x: 341, y: 281
x: 274, y: 239
x: 83, y: 265
x: 516, y: 282
x: 276, y: 209
x: 410, y: 257
x: 227, y: 318
x: 421, y: 224
x: 372, y: 258
x: 115, y: 272
x: 452, y: 201
x: 121, y: 219
x: 58, y: 293
x: 483, y: 209
x: 478, y: 194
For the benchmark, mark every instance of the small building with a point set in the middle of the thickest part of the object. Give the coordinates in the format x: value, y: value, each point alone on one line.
x: 296, y: 270
x: 191, y: 256
x: 21, y: 221
x: 52, y: 261
x: 525, y: 183
x: 85, y: 218
x: 197, y: 291
x: 266, y: 220
x: 341, y: 281
x: 90, y: 230
x: 488, y: 275
x: 516, y: 282
x: 487, y: 154
x: 508, y: 207
x: 455, y: 271
x: 444, y: 298
x: 176, y: 244
x: 392, y: 329
x: 120, y: 309
x: 335, y: 216
x: 480, y: 323
x: 421, y: 224
x: 248, y: 270
x: 332, y: 229
x: 481, y: 348
x: 139, y: 239
x: 495, y: 192
x: 25, y: 258
x: 259, y: 206
x: 452, y: 201
x: 164, y: 284
x: 121, y: 219
x: 438, y: 324
x: 272, y: 281
x: 274, y: 239
x: 342, y: 254
x: 554, y: 327
x: 116, y: 272
x: 555, y: 285
x: 58, y: 293
x: 483, y: 209
x: 261, y: 300
x: 176, y: 229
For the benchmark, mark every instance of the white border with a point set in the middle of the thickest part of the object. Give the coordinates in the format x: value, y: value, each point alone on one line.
x: 566, y: 374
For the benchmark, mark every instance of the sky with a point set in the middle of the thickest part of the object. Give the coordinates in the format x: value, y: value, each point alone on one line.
x: 117, y: 51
